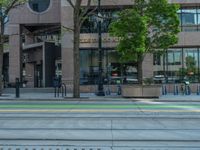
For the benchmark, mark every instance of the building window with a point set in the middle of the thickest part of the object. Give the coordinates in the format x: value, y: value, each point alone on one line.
x: 174, y: 57
x: 113, y: 71
x: 189, y: 18
x: 90, y: 24
x: 39, y: 5
x: 191, y: 66
x: 180, y: 64
x: 156, y: 59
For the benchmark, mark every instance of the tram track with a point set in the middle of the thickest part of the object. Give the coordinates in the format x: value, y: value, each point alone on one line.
x: 140, y: 129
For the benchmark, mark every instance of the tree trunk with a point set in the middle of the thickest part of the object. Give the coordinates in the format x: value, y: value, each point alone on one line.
x: 1, y: 55
x: 140, y: 70
x: 76, y: 86
x: 1, y: 63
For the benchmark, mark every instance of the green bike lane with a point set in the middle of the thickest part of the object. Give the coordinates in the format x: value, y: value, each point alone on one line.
x: 79, y: 107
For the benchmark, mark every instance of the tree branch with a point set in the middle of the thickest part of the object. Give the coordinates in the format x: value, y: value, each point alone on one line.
x: 12, y: 5
x: 67, y: 28
x: 86, y: 9
x: 70, y: 2
x: 85, y: 16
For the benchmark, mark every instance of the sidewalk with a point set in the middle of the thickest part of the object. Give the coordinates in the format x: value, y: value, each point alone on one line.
x: 92, y: 96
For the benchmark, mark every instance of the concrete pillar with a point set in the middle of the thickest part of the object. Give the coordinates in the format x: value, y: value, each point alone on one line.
x: 148, y: 66
x: 30, y: 74
x: 15, y: 54
x: 67, y: 44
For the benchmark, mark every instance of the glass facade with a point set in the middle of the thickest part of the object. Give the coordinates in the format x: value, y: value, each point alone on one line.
x: 113, y: 71
x: 174, y: 66
x: 189, y: 18
x: 90, y: 24
x: 178, y: 64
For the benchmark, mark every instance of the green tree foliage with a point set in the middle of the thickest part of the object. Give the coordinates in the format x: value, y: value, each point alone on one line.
x: 5, y: 7
x: 145, y: 28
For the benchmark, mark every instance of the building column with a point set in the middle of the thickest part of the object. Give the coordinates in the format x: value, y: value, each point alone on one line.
x: 15, y: 53
x: 148, y: 66
x: 67, y: 45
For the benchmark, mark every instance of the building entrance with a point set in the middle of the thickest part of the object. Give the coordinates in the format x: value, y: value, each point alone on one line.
x: 38, y: 76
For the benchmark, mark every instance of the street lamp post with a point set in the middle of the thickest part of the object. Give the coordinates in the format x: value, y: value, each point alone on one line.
x: 100, y: 91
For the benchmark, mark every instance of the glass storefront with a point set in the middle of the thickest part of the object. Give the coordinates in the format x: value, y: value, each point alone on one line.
x: 114, y: 72
x: 175, y: 66
x: 178, y: 65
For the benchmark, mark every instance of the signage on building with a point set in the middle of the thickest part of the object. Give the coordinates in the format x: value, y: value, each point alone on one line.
x: 104, y: 40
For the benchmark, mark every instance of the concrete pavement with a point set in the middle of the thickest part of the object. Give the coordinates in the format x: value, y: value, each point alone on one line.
x: 122, y: 133
x: 147, y: 128
x: 92, y: 96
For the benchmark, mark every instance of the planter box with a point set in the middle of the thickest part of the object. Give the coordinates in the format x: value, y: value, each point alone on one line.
x: 141, y: 91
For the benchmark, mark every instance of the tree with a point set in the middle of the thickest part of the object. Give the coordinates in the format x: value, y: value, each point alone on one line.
x: 80, y: 15
x: 147, y: 27
x: 5, y: 7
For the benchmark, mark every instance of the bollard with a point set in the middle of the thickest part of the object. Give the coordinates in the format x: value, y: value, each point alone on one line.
x: 119, y: 90
x: 187, y: 90
x: 164, y: 90
x: 108, y: 91
x: 197, y: 89
x: 63, y: 89
x: 175, y: 90
x: 17, y: 88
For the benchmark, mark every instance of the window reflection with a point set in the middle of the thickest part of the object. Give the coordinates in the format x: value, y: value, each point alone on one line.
x: 90, y: 24
x: 189, y: 18
x: 114, y: 72
x: 179, y: 64
x: 174, y: 57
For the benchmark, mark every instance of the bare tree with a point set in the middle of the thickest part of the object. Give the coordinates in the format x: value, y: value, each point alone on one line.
x: 5, y: 7
x: 80, y: 15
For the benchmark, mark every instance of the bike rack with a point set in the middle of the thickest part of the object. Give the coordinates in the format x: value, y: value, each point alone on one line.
x: 60, y: 89
x: 119, y: 90
x: 164, y: 90
x: 63, y: 89
x: 187, y: 90
x: 176, y: 91
x: 198, y: 89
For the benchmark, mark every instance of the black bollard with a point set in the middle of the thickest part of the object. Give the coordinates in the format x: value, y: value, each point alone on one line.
x: 198, y: 89
x: 17, y: 87
x: 175, y: 90
x: 119, y: 90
